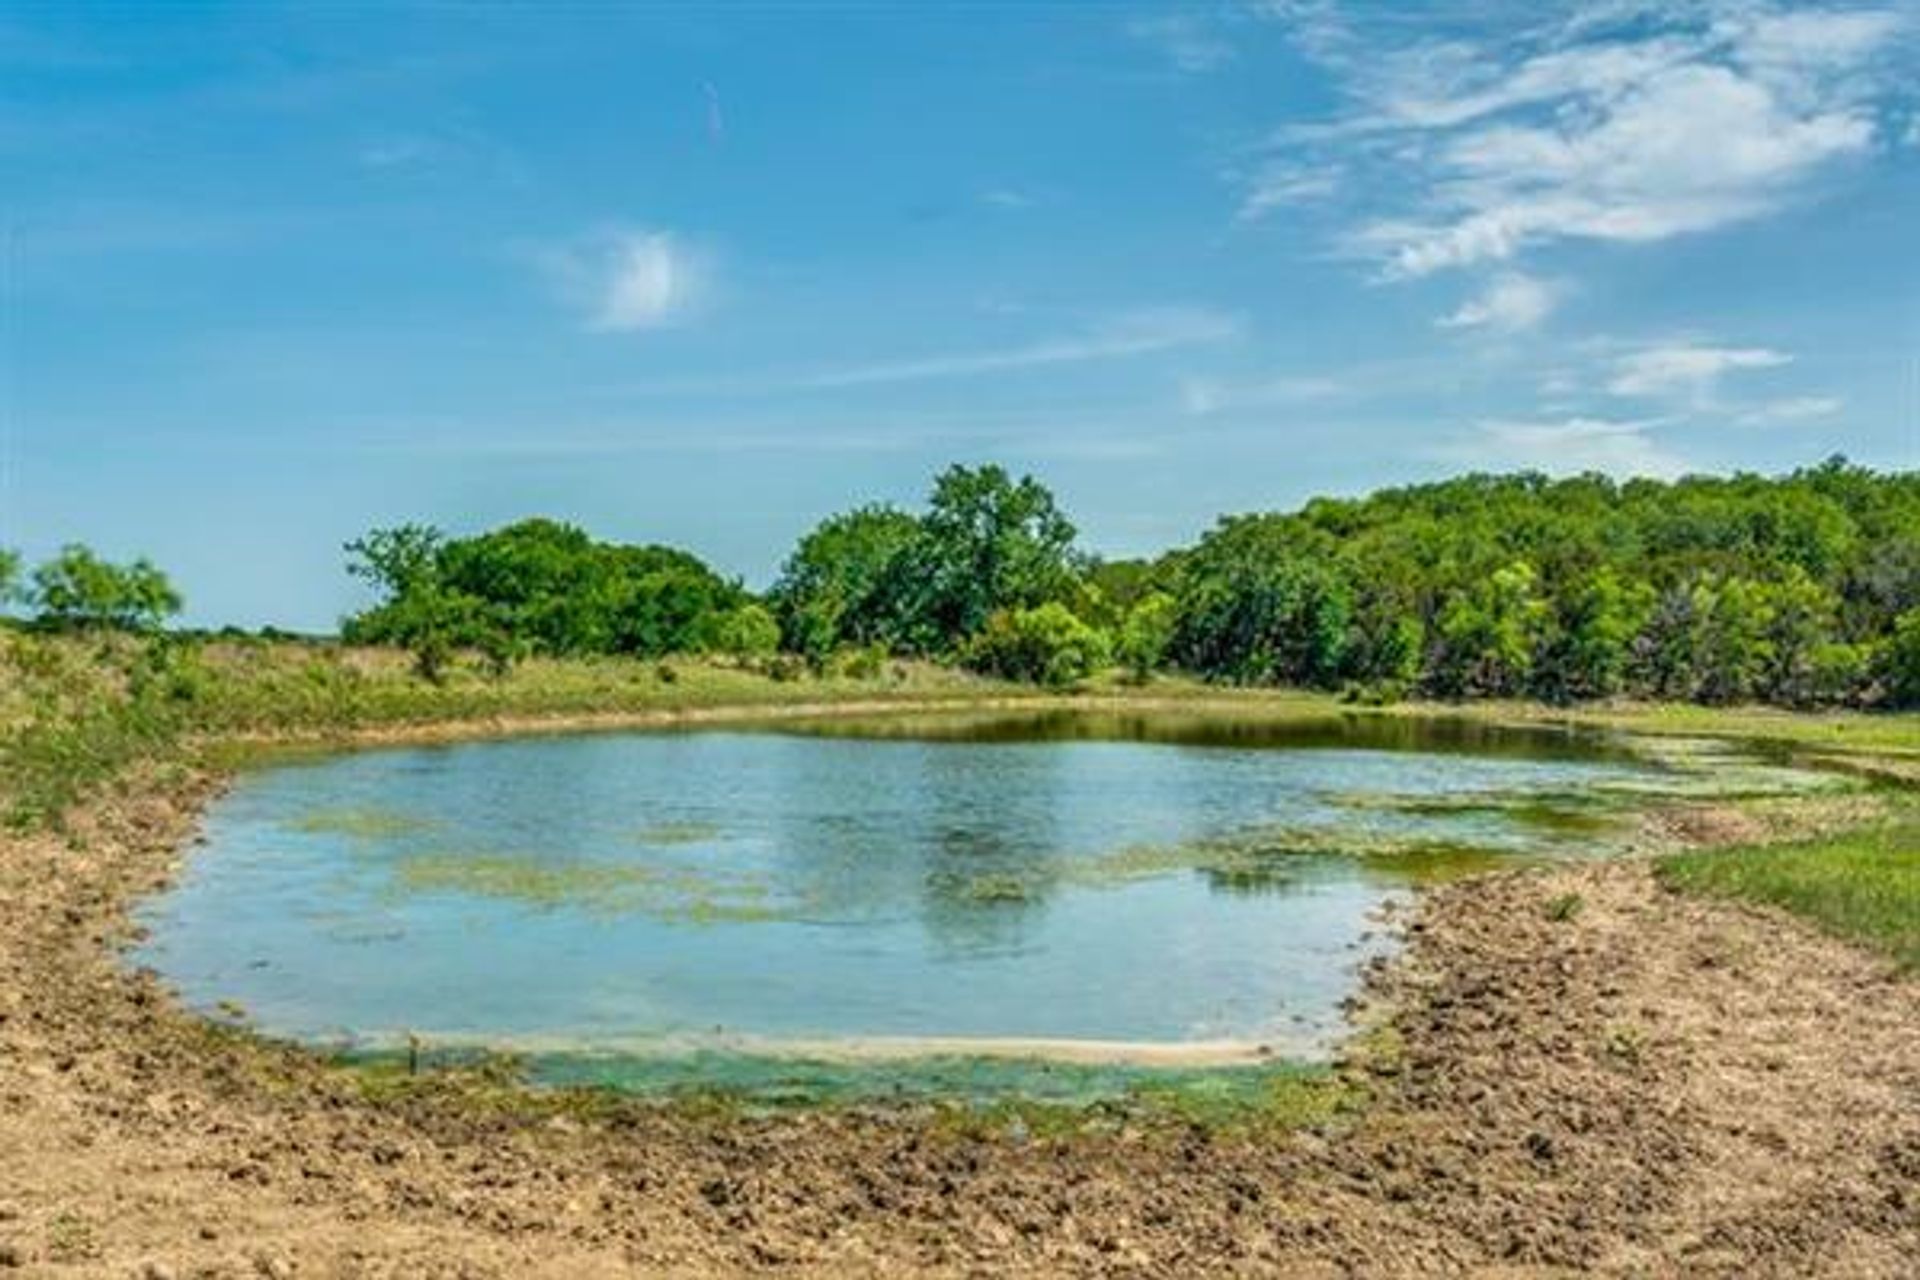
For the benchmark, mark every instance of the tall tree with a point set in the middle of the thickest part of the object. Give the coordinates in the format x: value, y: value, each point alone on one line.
x: 987, y: 542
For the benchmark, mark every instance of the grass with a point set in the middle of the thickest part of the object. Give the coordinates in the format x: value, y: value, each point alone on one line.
x: 1841, y: 732
x: 77, y: 711
x: 1861, y: 885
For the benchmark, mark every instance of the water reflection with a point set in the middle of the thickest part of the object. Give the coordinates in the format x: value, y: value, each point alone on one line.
x: 1110, y: 876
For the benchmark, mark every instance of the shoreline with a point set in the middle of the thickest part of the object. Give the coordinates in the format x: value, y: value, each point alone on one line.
x: 1553, y: 1094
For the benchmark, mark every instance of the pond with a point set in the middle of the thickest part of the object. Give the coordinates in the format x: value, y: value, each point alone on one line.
x: 1150, y: 888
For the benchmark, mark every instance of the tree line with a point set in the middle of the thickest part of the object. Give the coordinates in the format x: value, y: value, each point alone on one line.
x: 1801, y: 590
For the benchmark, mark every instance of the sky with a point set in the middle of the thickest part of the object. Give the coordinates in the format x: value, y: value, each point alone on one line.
x: 701, y: 275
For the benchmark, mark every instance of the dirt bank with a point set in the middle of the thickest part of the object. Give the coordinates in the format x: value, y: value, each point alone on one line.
x: 1653, y: 1085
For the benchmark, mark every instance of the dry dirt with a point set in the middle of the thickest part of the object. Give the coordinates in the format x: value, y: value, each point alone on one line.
x: 1655, y: 1086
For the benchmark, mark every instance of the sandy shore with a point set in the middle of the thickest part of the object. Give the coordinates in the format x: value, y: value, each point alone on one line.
x: 1655, y: 1086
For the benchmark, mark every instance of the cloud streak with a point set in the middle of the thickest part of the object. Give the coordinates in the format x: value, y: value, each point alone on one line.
x: 1133, y: 333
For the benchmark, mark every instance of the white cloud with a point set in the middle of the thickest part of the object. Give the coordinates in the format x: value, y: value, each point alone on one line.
x: 629, y: 279
x: 1186, y: 40
x: 1278, y: 184
x: 1791, y: 409
x: 1567, y: 446
x: 1131, y: 333
x: 1203, y: 397
x: 1510, y: 302
x: 1588, y: 130
x: 1006, y: 198
x: 1686, y: 372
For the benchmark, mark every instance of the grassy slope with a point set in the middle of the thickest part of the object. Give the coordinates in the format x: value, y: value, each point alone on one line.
x: 1863, y: 885
x: 75, y: 712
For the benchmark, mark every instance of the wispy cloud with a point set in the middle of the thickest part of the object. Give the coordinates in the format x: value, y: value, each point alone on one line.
x: 1790, y: 409
x: 1204, y: 397
x: 1006, y: 198
x: 629, y: 279
x: 1686, y: 372
x: 1509, y: 303
x: 1566, y: 446
x: 1186, y: 39
x: 1620, y: 123
x: 1132, y: 333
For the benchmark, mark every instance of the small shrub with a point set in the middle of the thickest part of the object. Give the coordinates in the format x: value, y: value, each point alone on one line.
x: 1565, y: 907
x: 1045, y: 645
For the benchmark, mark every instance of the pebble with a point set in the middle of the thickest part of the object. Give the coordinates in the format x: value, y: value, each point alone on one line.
x: 156, y: 1271
x: 10, y: 1255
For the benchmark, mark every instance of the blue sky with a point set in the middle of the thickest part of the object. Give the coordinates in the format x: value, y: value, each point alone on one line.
x: 704, y: 274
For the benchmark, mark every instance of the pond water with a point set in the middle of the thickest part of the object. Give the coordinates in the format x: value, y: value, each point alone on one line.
x: 930, y: 882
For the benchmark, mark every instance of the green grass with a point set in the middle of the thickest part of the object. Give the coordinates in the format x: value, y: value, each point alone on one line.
x: 1862, y: 885
x: 1840, y: 732
x: 77, y: 711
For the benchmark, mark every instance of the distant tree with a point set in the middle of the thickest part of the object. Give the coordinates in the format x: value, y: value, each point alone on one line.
x: 1661, y: 659
x: 840, y: 585
x: 1146, y: 633
x: 9, y: 576
x: 1900, y: 664
x: 535, y: 586
x: 1839, y: 673
x: 1589, y: 641
x: 77, y: 589
x: 398, y: 560
x: 1043, y: 645
x: 419, y: 612
x: 988, y: 542
x: 1731, y: 650
x: 1485, y: 636
x: 746, y: 632
x: 1801, y: 619
x: 1259, y: 605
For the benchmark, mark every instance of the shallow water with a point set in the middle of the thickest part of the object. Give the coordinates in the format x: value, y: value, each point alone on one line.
x: 628, y: 906
x: 1011, y: 878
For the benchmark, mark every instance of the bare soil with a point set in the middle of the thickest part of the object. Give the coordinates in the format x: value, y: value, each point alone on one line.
x: 1647, y: 1085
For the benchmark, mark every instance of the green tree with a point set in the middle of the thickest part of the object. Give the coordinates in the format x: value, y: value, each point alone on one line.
x: 1801, y: 621
x: 1589, y: 643
x: 9, y: 576
x: 988, y: 542
x: 1731, y: 650
x: 1839, y: 673
x: 77, y: 589
x: 419, y: 613
x: 1047, y: 645
x: 839, y: 587
x: 1257, y: 604
x: 1900, y: 663
x: 746, y: 632
x: 1146, y: 633
x: 1486, y: 636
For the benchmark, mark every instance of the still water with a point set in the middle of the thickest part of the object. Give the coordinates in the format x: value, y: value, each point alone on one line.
x: 1053, y: 877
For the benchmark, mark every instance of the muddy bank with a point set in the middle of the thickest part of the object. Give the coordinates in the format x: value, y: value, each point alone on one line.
x: 1649, y: 1084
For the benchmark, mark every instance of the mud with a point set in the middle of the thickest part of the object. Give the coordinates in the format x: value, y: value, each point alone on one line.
x: 1647, y: 1085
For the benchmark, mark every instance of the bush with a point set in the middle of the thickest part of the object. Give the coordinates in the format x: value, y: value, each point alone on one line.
x: 1900, y: 661
x: 863, y: 663
x: 749, y: 631
x: 1044, y: 645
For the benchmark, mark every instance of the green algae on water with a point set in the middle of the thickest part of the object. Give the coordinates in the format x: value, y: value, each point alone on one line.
x: 361, y: 824
x: 677, y: 833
